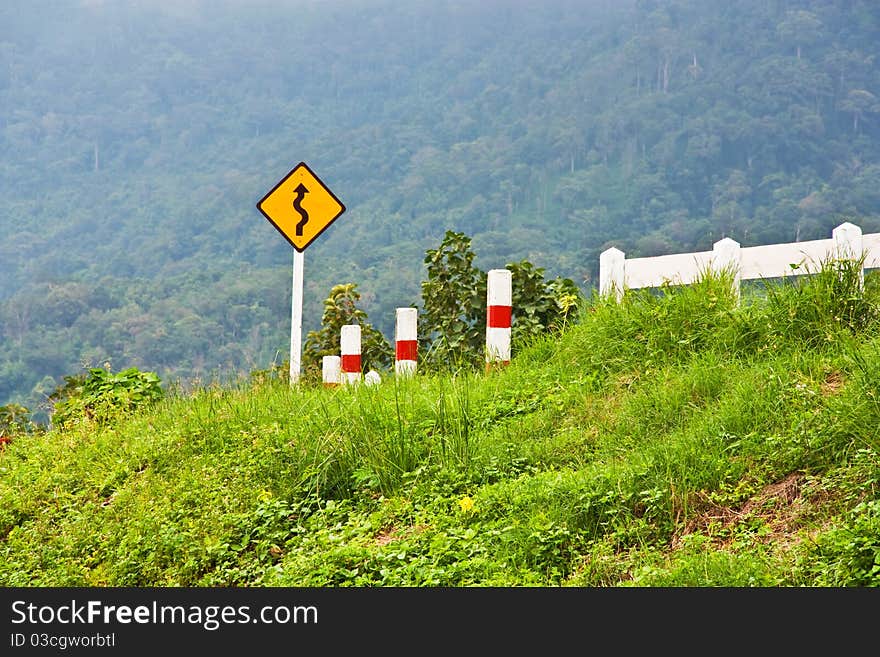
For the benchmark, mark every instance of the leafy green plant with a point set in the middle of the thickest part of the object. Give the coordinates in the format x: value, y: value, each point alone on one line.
x: 101, y: 396
x: 454, y: 300
x: 849, y: 555
x: 14, y: 419
x: 540, y: 306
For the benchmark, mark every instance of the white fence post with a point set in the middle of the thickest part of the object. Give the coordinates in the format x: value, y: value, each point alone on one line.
x: 727, y: 256
x: 499, y: 302
x: 350, y: 350
x: 848, y: 244
x: 406, y: 344
x: 331, y: 371
x: 612, y: 272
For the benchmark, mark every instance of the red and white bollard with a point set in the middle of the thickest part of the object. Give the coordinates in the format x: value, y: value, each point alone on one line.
x: 499, y: 302
x: 350, y: 350
x: 331, y: 371
x: 406, y: 341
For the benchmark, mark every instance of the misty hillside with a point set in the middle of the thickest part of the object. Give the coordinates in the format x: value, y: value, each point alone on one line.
x: 135, y: 141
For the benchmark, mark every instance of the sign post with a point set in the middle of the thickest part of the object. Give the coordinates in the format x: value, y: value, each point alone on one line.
x: 301, y: 207
x: 296, y: 316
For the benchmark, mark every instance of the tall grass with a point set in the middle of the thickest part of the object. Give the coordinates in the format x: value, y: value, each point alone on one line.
x: 683, y: 437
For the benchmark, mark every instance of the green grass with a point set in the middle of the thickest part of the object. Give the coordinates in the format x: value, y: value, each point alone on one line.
x: 680, y: 438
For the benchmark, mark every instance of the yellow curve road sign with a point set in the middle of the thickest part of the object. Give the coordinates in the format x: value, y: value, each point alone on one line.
x: 300, y: 206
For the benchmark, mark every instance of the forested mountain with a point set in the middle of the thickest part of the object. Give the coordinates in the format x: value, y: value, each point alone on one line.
x: 136, y: 139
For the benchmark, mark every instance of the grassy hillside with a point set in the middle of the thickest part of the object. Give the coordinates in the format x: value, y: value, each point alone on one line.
x: 676, y: 439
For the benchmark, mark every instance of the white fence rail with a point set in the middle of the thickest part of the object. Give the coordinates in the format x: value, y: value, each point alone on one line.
x: 618, y: 273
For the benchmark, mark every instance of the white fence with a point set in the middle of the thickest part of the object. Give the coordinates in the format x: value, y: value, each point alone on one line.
x: 618, y: 273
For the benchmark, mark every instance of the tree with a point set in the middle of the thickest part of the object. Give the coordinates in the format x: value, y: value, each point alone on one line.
x: 859, y: 102
x: 539, y: 306
x: 800, y: 27
x: 454, y: 305
x: 730, y: 204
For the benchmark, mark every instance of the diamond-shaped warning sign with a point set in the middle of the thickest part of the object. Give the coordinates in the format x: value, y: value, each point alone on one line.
x: 300, y: 206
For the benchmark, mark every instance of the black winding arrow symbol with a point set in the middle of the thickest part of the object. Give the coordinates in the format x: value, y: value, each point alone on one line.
x: 300, y: 191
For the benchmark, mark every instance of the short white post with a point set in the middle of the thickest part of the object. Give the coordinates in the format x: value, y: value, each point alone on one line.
x: 350, y: 350
x: 331, y: 372
x: 612, y: 272
x: 372, y: 378
x: 406, y: 341
x: 499, y: 311
x: 848, y: 244
x: 726, y: 256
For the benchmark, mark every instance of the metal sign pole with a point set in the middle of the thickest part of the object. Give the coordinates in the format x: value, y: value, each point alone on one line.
x: 296, y: 317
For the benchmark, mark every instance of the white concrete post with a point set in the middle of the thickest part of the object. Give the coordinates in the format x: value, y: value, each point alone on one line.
x: 499, y: 311
x: 406, y: 341
x: 331, y: 371
x: 726, y: 255
x: 612, y: 271
x: 350, y: 350
x: 848, y: 244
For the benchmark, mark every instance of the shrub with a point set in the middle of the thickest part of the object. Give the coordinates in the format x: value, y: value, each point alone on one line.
x: 102, y: 396
x: 15, y: 419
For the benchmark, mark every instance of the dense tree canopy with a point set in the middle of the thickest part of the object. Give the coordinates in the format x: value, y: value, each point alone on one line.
x: 135, y: 140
